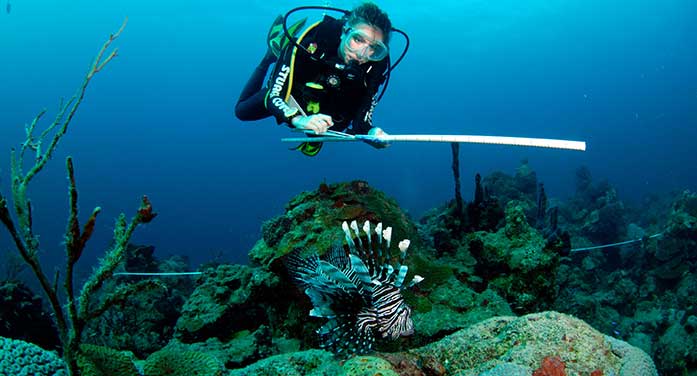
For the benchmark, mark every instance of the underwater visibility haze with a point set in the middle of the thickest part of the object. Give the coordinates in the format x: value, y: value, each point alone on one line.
x: 232, y: 200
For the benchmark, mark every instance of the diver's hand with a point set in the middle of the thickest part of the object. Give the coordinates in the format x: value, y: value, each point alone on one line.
x: 319, y: 123
x: 377, y: 142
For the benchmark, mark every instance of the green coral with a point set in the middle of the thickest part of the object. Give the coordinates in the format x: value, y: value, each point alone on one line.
x: 435, y: 273
x: 312, y: 221
x: 167, y: 362
x: 516, y: 262
x: 368, y: 366
x: 303, y: 363
x: 456, y: 306
x: 228, y: 299
x: 244, y: 347
x: 103, y: 361
x: 19, y: 358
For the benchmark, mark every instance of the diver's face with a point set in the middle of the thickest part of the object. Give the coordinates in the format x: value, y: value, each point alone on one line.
x: 362, y: 43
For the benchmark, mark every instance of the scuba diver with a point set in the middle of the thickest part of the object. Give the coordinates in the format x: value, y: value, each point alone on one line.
x: 325, y: 76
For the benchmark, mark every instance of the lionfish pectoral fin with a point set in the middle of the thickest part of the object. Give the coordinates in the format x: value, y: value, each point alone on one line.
x: 325, y: 312
x: 341, y: 336
x: 302, y: 270
x: 336, y: 275
x: 362, y: 274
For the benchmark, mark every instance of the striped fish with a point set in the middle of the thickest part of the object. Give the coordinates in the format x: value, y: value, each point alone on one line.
x: 357, y: 289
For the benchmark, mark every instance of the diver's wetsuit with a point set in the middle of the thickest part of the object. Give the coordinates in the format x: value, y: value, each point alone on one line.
x: 317, y: 87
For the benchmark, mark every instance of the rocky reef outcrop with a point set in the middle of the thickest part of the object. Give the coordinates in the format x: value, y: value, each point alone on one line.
x: 534, y: 344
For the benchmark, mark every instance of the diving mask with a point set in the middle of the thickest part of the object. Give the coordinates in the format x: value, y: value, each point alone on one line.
x: 363, y: 45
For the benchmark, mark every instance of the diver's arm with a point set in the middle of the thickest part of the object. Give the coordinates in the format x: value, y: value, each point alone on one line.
x: 278, y: 88
x: 282, y: 110
x: 363, y: 124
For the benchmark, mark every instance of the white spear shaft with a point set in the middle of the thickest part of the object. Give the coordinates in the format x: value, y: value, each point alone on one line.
x: 470, y: 139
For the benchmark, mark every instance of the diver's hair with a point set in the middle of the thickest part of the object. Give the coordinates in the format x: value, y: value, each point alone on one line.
x: 372, y: 15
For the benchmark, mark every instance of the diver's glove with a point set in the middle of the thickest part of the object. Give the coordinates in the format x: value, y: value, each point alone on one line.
x: 375, y: 140
x: 319, y: 123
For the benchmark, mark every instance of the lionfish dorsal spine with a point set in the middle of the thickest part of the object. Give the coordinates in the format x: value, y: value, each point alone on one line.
x: 399, y: 280
x: 371, y: 256
x: 349, y: 238
x: 378, y: 230
x: 403, y: 246
x: 417, y: 278
x: 388, y: 269
x: 366, y: 229
x: 387, y: 235
x: 354, y: 227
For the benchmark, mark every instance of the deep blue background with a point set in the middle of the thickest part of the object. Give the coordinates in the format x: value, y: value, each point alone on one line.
x: 158, y: 121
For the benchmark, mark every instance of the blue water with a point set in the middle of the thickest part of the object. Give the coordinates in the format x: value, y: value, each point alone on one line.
x: 159, y: 119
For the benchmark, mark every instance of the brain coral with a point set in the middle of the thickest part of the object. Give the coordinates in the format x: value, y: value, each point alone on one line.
x: 182, y: 363
x: 19, y: 358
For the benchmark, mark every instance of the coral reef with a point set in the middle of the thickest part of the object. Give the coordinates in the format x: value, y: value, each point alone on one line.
x: 304, y: 363
x: 482, y: 264
x: 19, y: 358
x: 595, y: 214
x: 228, y: 299
x: 143, y: 323
x: 243, y: 348
x: 515, y: 261
x: 311, y: 218
x: 527, y: 341
x: 551, y: 366
x: 168, y: 362
x: 644, y: 293
x: 103, y: 361
x: 452, y: 306
x: 22, y: 316
x: 544, y: 343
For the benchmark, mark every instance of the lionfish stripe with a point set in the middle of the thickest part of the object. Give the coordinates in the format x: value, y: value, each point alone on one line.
x: 335, y: 274
x: 386, y: 293
x: 397, y: 325
x: 366, y: 320
x: 388, y: 308
x: 401, y: 275
x: 362, y: 273
x: 386, y: 272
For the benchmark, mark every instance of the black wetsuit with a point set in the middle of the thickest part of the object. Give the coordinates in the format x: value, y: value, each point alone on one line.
x: 320, y: 83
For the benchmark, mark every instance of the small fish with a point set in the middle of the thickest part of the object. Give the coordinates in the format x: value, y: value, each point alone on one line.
x: 358, y: 292
x: 8, y: 7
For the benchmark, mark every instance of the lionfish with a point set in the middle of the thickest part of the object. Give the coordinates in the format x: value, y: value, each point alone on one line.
x: 358, y: 291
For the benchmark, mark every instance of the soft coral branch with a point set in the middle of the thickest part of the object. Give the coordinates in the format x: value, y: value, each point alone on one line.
x: 21, y: 231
